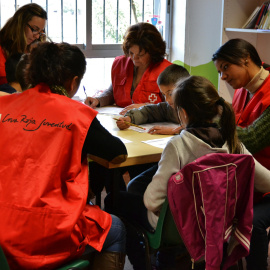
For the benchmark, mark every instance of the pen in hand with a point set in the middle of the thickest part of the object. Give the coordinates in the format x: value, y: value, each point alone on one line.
x: 84, y: 91
x: 131, y: 124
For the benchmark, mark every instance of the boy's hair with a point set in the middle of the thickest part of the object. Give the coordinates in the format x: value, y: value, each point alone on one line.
x: 10, y: 67
x: 172, y: 74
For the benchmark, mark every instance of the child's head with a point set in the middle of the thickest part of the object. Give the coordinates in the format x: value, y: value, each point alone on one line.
x: 65, y: 62
x: 20, y: 71
x: 197, y: 102
x: 168, y: 78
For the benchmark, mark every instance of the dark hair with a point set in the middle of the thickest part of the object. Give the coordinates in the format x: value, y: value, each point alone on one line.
x: 147, y: 37
x: 10, y: 67
x: 12, y: 35
x: 200, y: 99
x: 55, y: 64
x: 172, y: 74
x: 20, y: 71
x: 235, y: 50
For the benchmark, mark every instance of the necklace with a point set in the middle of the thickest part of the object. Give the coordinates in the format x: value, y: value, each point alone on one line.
x: 60, y: 90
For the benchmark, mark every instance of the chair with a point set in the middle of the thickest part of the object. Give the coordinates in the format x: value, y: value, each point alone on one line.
x: 74, y: 265
x: 166, y: 234
x: 211, y: 200
x: 3, y: 260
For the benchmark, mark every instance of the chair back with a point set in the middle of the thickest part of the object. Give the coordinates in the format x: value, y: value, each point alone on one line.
x: 3, y: 261
x: 166, y: 233
x: 211, y: 199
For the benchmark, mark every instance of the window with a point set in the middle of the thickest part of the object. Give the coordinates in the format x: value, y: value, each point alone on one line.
x: 97, y: 27
x: 111, y: 18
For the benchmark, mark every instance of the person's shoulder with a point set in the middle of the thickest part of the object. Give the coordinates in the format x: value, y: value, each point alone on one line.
x: 167, y: 62
x: 7, y: 88
x: 75, y: 108
x: 121, y: 62
x: 164, y: 63
x: 121, y: 58
x: 186, y: 138
x: 160, y: 66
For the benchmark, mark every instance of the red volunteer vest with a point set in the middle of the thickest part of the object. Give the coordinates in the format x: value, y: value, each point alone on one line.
x: 45, y: 220
x: 247, y: 115
x: 3, y: 78
x: 147, y: 90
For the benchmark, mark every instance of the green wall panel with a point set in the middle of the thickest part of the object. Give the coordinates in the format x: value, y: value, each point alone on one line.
x: 207, y: 70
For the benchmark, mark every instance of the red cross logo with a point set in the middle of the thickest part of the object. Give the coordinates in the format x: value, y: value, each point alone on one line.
x: 152, y: 98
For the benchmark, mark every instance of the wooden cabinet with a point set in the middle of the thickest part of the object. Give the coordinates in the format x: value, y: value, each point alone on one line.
x: 235, y: 13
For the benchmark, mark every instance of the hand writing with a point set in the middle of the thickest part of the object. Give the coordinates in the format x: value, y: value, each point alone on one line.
x: 92, y: 102
x: 121, y: 123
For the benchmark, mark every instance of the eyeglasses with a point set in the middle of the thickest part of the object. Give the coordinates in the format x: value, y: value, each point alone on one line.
x: 35, y: 31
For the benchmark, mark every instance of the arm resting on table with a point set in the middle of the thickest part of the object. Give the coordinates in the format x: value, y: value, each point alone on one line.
x: 101, y: 143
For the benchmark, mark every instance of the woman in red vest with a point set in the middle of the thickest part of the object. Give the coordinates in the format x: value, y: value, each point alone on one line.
x: 134, y: 74
x: 45, y: 139
x: 239, y: 64
x: 134, y: 84
x: 20, y: 32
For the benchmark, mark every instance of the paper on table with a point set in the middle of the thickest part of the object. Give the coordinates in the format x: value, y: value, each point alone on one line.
x: 109, y: 110
x: 138, y: 129
x: 148, y: 126
x: 160, y: 143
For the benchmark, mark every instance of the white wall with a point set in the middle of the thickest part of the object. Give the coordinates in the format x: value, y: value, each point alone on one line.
x: 196, y: 30
x: 178, y: 30
x: 203, y: 30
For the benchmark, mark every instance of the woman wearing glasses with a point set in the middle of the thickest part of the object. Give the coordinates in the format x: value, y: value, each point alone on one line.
x: 20, y: 31
x: 134, y: 74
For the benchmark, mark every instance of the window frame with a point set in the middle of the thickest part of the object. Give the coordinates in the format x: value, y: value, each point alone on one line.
x: 106, y: 50
x: 112, y: 50
x: 97, y: 50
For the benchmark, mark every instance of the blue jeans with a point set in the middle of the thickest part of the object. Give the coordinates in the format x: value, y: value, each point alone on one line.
x: 257, y: 258
x: 139, y: 183
x: 133, y: 210
x: 115, y: 240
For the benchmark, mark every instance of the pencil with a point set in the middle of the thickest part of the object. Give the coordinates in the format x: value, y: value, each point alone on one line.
x: 131, y: 124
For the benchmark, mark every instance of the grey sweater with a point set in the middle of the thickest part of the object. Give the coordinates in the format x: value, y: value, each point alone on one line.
x: 161, y: 112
